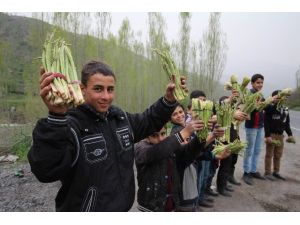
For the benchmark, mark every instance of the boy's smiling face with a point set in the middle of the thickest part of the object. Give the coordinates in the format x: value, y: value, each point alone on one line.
x: 99, y: 92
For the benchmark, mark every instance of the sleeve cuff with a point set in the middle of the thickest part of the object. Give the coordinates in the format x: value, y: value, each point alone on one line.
x: 169, y: 104
x: 57, y: 119
x: 179, y: 137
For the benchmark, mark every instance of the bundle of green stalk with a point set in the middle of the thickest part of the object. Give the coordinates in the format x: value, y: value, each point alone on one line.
x: 276, y: 143
x: 282, y: 95
x: 170, y: 68
x: 241, y: 88
x: 224, y: 118
x: 252, y: 102
x: 202, y: 110
x: 260, y: 106
x: 291, y: 140
x: 57, y: 58
x: 234, y: 147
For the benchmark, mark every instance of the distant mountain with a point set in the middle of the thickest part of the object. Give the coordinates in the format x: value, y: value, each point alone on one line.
x: 15, y: 34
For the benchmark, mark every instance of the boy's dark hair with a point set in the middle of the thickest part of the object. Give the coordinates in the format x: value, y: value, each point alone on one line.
x: 275, y: 92
x: 92, y: 67
x: 180, y: 105
x: 197, y: 94
x: 255, y: 77
x: 222, y: 99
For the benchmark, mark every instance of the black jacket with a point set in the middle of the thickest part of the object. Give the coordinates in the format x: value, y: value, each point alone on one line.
x: 92, y: 155
x: 152, y: 163
x: 277, y: 121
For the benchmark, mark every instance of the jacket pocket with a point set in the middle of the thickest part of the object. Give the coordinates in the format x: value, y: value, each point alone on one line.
x: 125, y: 154
x: 125, y: 138
x: 90, y: 200
x: 95, y: 149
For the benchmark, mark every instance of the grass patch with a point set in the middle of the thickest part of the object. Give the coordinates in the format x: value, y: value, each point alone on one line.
x: 21, y: 148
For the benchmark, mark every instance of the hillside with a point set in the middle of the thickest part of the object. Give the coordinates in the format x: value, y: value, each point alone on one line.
x: 21, y: 41
x: 17, y: 50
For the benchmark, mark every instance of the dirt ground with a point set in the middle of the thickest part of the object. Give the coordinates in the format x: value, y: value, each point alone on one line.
x: 27, y: 194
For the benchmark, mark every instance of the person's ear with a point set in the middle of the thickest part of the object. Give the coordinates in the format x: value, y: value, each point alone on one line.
x: 83, y: 89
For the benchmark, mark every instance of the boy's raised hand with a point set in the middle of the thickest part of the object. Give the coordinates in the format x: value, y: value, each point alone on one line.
x: 169, y: 96
x: 45, y: 87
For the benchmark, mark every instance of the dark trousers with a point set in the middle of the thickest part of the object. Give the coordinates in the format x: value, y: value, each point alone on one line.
x: 223, y: 173
x: 234, y: 158
x: 213, y: 168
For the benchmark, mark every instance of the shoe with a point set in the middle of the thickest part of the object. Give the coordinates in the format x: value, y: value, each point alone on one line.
x: 205, y: 204
x: 207, y: 199
x: 248, y: 179
x: 228, y: 188
x: 225, y: 193
x: 211, y: 192
x: 269, y: 177
x: 257, y: 175
x: 278, y: 176
x: 232, y: 180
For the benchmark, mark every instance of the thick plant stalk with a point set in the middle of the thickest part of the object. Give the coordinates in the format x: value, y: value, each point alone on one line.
x: 252, y: 101
x: 202, y: 110
x: 235, y: 147
x: 57, y: 58
x: 282, y: 95
x: 170, y: 68
x: 264, y: 104
x: 224, y: 118
x: 276, y: 143
x: 240, y: 88
x: 291, y: 140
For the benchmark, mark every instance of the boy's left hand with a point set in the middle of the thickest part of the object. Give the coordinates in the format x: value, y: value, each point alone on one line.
x: 169, y: 96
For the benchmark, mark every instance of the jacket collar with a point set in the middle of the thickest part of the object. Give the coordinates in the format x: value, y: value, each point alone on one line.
x: 113, y: 112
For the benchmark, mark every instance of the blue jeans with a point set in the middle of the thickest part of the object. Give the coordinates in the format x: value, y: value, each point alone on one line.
x: 254, y: 137
x: 203, y: 175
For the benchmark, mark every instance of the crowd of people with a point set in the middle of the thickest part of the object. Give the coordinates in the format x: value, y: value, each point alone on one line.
x: 92, y: 149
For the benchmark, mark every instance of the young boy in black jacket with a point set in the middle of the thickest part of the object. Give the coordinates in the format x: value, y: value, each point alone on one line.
x: 155, y: 158
x: 90, y: 148
x: 277, y: 120
x: 159, y: 160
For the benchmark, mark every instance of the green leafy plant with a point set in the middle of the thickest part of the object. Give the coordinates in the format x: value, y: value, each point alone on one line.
x: 21, y: 147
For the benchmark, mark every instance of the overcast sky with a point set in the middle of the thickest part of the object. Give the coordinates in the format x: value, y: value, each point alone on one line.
x: 266, y: 43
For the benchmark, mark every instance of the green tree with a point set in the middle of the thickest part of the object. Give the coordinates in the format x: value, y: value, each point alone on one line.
x: 194, y: 75
x: 103, y: 23
x: 125, y: 35
x: 184, y: 42
x: 124, y: 64
x: 6, y: 76
x: 213, y: 50
x: 155, y: 80
x: 157, y: 37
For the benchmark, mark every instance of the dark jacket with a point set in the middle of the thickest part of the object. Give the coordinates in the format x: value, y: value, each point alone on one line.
x: 277, y: 121
x: 152, y: 165
x: 256, y: 118
x: 193, y: 163
x: 92, y: 154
